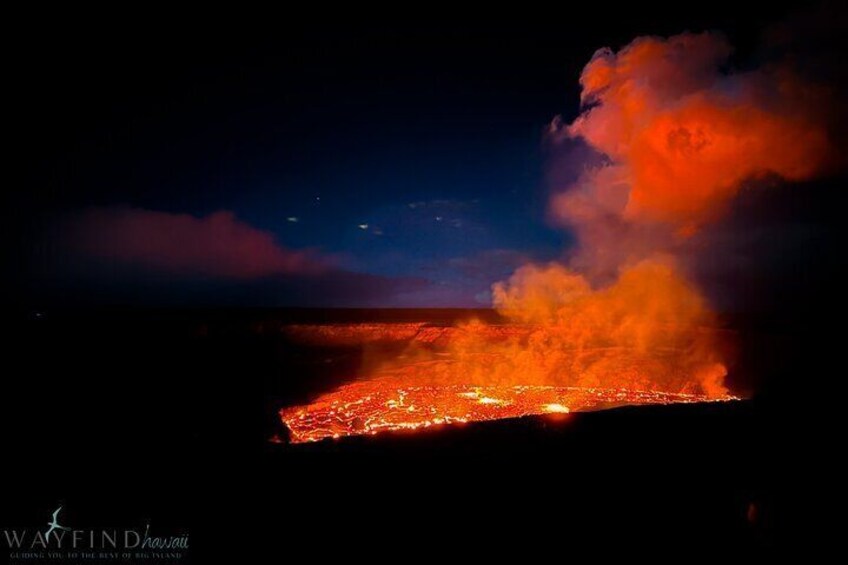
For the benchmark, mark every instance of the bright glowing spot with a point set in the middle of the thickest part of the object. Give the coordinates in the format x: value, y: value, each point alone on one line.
x: 362, y: 226
x: 293, y: 219
x: 489, y: 400
x: 556, y: 408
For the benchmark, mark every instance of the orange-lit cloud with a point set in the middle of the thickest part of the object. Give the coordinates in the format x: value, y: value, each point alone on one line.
x: 217, y: 245
x: 682, y: 136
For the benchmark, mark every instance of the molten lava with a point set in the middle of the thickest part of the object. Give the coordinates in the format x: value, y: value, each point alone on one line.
x: 476, y: 372
x: 565, y: 347
x: 370, y: 407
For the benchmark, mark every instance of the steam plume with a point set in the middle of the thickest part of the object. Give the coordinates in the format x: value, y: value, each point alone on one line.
x: 678, y: 138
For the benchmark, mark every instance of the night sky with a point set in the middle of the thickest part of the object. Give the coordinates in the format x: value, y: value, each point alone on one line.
x: 374, y: 162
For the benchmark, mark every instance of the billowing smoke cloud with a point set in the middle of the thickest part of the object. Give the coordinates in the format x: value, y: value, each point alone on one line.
x: 217, y: 245
x: 680, y: 137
